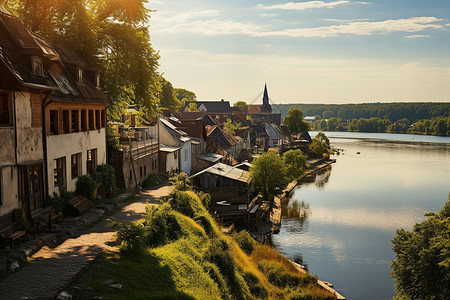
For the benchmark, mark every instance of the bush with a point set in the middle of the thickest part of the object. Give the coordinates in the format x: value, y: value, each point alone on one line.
x: 108, y: 178
x: 280, y: 277
x: 185, y: 202
x: 86, y: 186
x: 161, y: 226
x: 205, y: 198
x: 150, y: 181
x: 180, y: 182
x: 245, y: 241
x: 131, y: 235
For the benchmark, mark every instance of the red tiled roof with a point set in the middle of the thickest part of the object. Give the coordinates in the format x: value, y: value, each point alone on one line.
x: 254, y: 109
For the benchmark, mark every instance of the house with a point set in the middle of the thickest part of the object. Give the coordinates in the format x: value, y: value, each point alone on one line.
x: 221, y: 107
x: 229, y: 188
x: 52, y: 118
x: 230, y: 146
x: 278, y: 136
x: 203, y: 148
x: 175, y: 149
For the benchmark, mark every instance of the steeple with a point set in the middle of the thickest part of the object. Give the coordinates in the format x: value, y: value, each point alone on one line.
x: 266, y: 106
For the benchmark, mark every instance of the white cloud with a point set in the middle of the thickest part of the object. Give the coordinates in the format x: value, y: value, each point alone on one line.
x: 415, y: 36
x: 345, y: 21
x: 304, y: 5
x: 189, y: 22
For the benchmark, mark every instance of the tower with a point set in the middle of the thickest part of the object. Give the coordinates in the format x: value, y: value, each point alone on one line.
x: 266, y: 108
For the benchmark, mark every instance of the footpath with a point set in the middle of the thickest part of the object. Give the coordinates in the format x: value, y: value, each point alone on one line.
x: 50, y: 271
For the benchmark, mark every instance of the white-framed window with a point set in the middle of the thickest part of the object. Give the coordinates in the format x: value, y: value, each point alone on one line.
x: 36, y: 66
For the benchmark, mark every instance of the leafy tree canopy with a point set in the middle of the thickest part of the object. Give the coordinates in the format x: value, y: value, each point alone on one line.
x: 168, y: 99
x: 184, y: 95
x: 111, y: 35
x: 320, y: 144
x: 243, y: 106
x: 295, y: 161
x: 231, y: 126
x: 421, y: 269
x: 193, y: 107
x: 269, y: 175
x: 294, y: 121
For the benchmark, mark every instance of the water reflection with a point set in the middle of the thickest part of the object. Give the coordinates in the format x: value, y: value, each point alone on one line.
x: 322, y: 177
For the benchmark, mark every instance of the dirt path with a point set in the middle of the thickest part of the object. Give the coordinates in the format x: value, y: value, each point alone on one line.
x: 51, y: 270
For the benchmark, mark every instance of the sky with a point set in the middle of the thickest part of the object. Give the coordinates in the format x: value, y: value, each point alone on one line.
x: 338, y: 51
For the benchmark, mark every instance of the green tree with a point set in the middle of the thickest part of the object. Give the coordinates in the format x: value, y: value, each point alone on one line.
x: 320, y: 144
x: 193, y: 107
x: 327, y: 114
x: 295, y: 161
x: 111, y: 35
x: 231, y: 126
x: 168, y: 99
x: 248, y: 117
x: 183, y: 94
x: 421, y: 269
x: 243, y: 106
x: 269, y: 175
x: 294, y: 121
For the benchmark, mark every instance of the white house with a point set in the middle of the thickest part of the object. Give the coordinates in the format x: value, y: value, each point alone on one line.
x: 178, y: 143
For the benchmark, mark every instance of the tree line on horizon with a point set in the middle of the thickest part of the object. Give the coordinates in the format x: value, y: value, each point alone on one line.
x: 412, y: 118
x: 413, y: 111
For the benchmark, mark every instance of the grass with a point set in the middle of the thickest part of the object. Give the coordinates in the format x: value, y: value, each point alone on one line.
x: 193, y: 260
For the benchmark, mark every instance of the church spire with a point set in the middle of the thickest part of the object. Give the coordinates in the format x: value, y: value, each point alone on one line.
x: 266, y: 106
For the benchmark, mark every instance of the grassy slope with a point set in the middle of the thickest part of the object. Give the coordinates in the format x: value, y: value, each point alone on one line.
x: 199, y: 263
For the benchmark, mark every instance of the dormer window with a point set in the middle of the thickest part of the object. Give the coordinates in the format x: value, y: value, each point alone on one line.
x: 97, y: 80
x: 80, y: 76
x: 37, y: 66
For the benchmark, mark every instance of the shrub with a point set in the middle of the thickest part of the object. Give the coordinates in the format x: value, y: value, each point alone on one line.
x: 205, y: 198
x: 108, y: 178
x: 131, y: 235
x: 180, y: 182
x: 255, y: 286
x: 150, y: 181
x: 185, y: 202
x: 161, y: 226
x: 280, y: 277
x: 86, y: 186
x: 245, y: 241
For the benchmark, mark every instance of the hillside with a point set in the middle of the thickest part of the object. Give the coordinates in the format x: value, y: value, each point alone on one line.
x: 178, y: 252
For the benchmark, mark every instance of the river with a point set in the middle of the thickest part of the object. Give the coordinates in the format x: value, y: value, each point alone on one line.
x: 342, y: 224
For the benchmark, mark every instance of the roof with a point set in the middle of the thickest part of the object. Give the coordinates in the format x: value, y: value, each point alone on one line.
x: 211, y: 106
x: 226, y: 171
x: 171, y: 127
x: 18, y: 47
x: 244, y: 165
x: 165, y: 148
x: 254, y: 109
x: 223, y: 138
x: 211, y: 157
x: 280, y: 131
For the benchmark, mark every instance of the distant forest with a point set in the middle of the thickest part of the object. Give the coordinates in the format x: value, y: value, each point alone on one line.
x: 391, y: 111
x: 416, y: 118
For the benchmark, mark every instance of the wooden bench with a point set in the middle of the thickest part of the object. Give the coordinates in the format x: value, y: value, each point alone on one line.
x: 78, y: 205
x: 43, y: 218
x: 8, y: 230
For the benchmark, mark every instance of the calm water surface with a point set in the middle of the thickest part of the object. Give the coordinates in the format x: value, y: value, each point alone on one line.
x: 342, y: 224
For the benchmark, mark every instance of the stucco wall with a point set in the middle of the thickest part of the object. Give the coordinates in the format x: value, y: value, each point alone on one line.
x: 172, y: 162
x: 64, y: 145
x: 186, y: 157
x: 7, y: 147
x: 144, y: 161
x: 9, y: 190
x: 29, y: 139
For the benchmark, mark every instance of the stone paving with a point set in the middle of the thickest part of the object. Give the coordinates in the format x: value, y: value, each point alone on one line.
x: 51, y: 270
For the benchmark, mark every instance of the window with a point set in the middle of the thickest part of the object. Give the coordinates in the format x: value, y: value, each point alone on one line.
x: 103, y: 119
x: 54, y: 122
x: 97, y: 120
x: 76, y: 165
x: 145, y: 170
x: 80, y: 76
x: 5, y: 110
x: 91, y: 161
x: 75, y: 121
x: 140, y: 171
x: 91, y: 119
x: 37, y: 66
x: 83, y: 120
x: 175, y: 155
x: 186, y: 154
x: 66, y: 121
x: 97, y: 80
x: 59, y: 172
